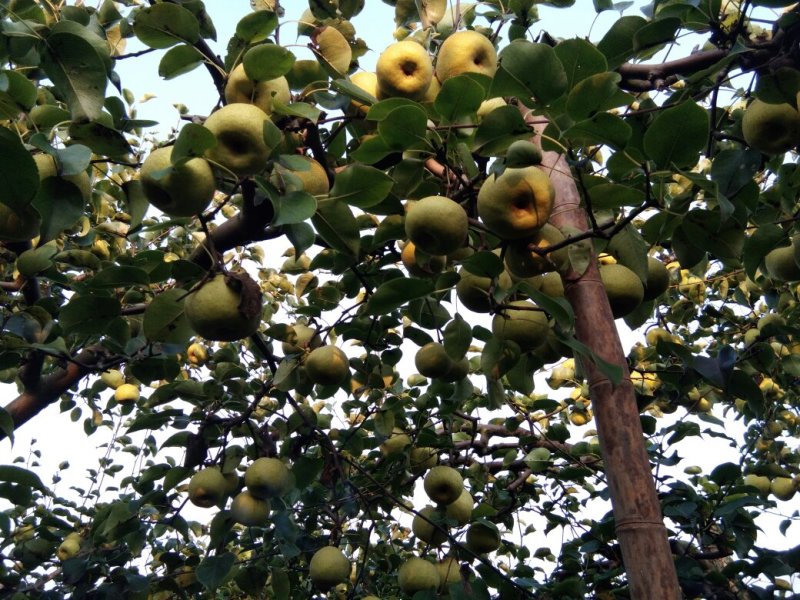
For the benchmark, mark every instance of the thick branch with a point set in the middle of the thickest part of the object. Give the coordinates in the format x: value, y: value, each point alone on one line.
x: 49, y: 388
x: 640, y: 529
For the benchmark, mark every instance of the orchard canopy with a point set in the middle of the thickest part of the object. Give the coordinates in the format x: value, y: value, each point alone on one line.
x: 315, y: 317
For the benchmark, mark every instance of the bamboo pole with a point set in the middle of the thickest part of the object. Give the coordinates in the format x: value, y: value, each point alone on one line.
x: 639, y: 523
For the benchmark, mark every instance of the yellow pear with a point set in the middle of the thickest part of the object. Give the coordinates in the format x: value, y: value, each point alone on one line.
x: 224, y: 309
x: 437, y: 225
x: 328, y: 567
x: 47, y: 167
x: 327, y: 365
x: 466, y: 52
x: 517, y: 204
x: 404, y: 70
x: 416, y: 575
x: 367, y: 81
x: 184, y: 190
x: 239, y: 129
x: 240, y: 88
x: 771, y: 128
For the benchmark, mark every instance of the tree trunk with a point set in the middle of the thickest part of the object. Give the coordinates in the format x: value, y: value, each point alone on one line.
x: 642, y: 535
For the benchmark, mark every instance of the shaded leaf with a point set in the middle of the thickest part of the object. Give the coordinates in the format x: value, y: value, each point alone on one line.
x: 396, y: 292
x: 165, y: 24
x: 19, y: 177
x: 677, y: 135
x: 336, y: 224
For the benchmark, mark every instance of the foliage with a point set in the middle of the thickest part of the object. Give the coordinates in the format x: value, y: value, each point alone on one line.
x: 662, y: 169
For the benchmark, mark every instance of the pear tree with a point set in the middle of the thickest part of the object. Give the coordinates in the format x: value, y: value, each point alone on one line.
x: 458, y: 316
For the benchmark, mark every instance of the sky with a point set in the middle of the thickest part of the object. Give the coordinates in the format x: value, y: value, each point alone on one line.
x: 59, y: 440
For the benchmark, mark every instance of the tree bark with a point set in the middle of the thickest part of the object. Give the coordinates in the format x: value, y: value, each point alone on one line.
x: 639, y: 523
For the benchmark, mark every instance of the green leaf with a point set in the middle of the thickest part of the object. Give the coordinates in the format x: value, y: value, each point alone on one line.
x: 19, y: 177
x: 558, y: 308
x: 351, y: 90
x: 361, y: 186
x: 457, y: 338
x: 119, y: 276
x: 213, y: 571
x: 380, y: 110
x: 592, y: 94
x: 179, y: 60
x: 460, y: 96
x: 165, y: 24
x: 614, y: 195
x: 530, y: 69
x: 336, y: 224
x: 294, y: 207
x: 267, y: 61
x: 193, y: 141
x: 484, y: 264
x: 403, y: 128
x: 301, y: 235
x: 17, y: 94
x: 60, y: 203
x: 101, y: 139
x: 87, y: 315
x: 498, y: 358
x: 78, y: 73
x: 257, y: 26
x: 20, y: 476
x: 580, y: 59
x: 73, y: 159
x: 656, y: 34
x: 7, y: 424
x: 603, y: 128
x: 617, y: 43
x: 677, y: 135
x: 396, y: 292
x: 303, y: 110
x: 164, y: 319
x: 499, y: 129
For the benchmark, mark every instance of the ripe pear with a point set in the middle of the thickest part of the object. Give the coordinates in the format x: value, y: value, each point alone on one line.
x: 70, y: 546
x: 781, y: 264
x: 239, y: 129
x: 416, y: 575
x: 207, y: 487
x: 248, y: 510
x: 783, y: 488
x: 771, y: 128
x: 760, y: 482
x: 240, y: 88
x: 421, y: 264
x: 482, y: 539
x: 47, y: 166
x: 313, y: 180
x: 179, y: 191
x: 127, y: 392
x: 657, y: 279
x: 301, y: 338
x: 461, y: 509
x: 404, y: 70
x: 19, y: 226
x: 432, y: 360
x: 437, y: 225
x: 523, y: 262
x: 515, y: 205
x: 328, y: 567
x: 523, y: 323
x: 395, y: 443
x: 367, y: 81
x: 443, y: 484
x: 327, y: 365
x: 623, y: 288
x: 473, y: 290
x: 466, y: 52
x: 224, y: 308
x: 113, y: 378
x: 267, y: 478
x: 427, y: 531
x: 449, y: 572
x: 422, y: 458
